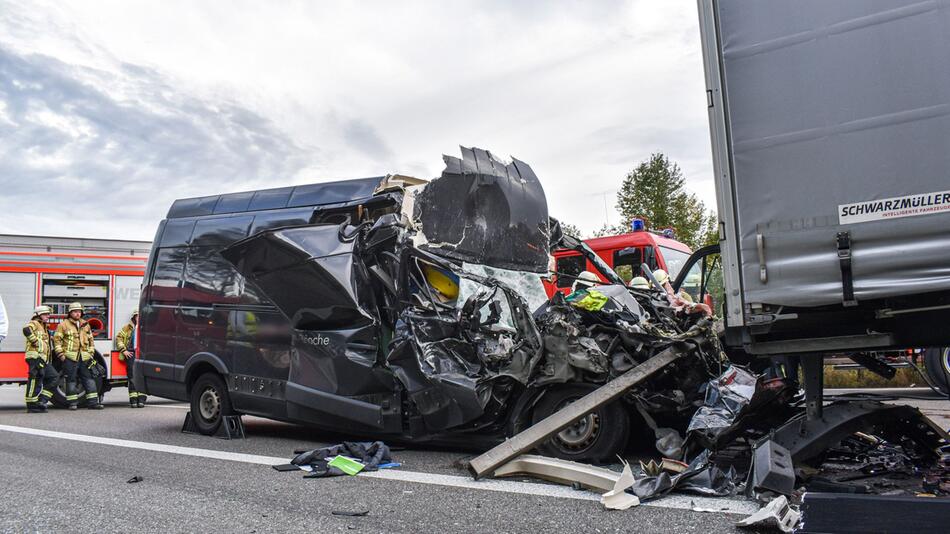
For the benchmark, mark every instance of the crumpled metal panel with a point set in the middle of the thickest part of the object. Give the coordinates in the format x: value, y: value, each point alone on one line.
x: 485, y: 211
x: 309, y: 273
x: 833, y: 103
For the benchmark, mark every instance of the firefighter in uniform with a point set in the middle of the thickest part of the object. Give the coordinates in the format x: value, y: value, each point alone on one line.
x: 125, y: 344
x: 73, y: 343
x: 42, y: 376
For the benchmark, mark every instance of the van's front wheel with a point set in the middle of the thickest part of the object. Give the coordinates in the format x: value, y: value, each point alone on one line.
x: 209, y: 403
x: 600, y: 435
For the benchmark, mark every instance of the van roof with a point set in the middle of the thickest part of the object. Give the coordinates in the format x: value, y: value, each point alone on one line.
x: 320, y: 194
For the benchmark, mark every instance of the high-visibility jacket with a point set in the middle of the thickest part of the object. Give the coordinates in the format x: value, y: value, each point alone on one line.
x: 74, y: 340
x: 125, y: 340
x: 37, y: 340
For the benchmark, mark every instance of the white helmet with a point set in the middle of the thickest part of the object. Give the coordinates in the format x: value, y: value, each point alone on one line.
x: 41, y: 310
x: 584, y: 280
x: 639, y: 282
x: 661, y: 276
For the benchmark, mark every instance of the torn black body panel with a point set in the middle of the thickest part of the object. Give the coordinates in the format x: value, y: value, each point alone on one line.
x: 485, y: 211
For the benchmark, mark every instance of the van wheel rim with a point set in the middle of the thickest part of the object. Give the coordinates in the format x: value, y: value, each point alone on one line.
x: 946, y: 360
x: 581, y: 434
x: 209, y: 404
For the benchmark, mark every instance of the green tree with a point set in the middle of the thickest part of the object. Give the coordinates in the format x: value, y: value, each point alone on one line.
x: 655, y: 192
x: 570, y: 229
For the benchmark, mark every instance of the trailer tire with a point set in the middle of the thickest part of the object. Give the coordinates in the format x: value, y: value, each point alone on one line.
x: 937, y: 365
x: 601, y: 435
x: 209, y: 403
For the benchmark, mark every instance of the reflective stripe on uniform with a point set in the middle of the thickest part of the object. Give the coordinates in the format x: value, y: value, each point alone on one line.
x: 72, y: 397
x: 47, y: 393
x: 133, y: 394
x: 92, y: 395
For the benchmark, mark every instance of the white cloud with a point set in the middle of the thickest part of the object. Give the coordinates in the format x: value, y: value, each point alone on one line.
x: 177, y: 98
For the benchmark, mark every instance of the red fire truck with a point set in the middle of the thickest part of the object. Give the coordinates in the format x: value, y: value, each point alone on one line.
x: 104, y: 275
x: 624, y: 254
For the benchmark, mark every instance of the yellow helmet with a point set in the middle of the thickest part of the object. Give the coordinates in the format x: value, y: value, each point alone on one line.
x: 75, y: 306
x: 442, y: 281
x: 41, y: 310
x: 639, y: 282
x: 661, y: 276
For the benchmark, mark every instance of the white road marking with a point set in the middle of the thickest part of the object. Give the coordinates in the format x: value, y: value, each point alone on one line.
x: 176, y: 406
x: 507, y: 486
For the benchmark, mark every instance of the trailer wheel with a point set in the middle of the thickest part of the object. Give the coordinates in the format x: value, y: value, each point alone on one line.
x: 601, y: 435
x: 209, y: 403
x: 937, y: 365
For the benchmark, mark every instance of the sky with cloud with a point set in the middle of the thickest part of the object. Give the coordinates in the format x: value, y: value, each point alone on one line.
x: 110, y: 110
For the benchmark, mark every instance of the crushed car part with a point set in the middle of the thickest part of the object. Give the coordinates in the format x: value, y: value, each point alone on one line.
x: 486, y: 211
x: 486, y: 463
x: 778, y: 513
x: 772, y: 468
x: 618, y: 498
x: 565, y: 472
x: 805, y: 438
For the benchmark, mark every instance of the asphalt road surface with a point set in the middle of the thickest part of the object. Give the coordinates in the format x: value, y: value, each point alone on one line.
x: 68, y: 471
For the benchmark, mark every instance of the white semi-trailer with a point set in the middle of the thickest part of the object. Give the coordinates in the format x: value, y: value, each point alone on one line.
x: 830, y: 129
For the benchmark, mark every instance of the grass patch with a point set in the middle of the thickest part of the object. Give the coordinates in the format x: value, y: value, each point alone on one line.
x: 862, y: 378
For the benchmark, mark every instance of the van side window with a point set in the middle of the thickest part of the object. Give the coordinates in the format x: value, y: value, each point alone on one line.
x: 277, y: 219
x: 220, y: 231
x: 208, y: 279
x: 570, y: 266
x: 177, y: 233
x: 166, y: 282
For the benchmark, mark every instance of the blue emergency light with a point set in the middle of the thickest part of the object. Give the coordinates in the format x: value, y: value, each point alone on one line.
x: 637, y: 225
x: 668, y: 233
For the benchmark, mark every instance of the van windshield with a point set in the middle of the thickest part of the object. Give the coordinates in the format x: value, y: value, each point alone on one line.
x: 675, y: 260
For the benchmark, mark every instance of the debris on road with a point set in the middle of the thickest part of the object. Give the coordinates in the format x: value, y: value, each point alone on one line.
x: 575, y: 474
x: 618, y: 498
x: 350, y: 514
x: 778, y: 513
x: 347, y: 458
x: 134, y: 480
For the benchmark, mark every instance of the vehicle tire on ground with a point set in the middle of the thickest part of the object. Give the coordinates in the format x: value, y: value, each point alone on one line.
x: 599, y: 436
x: 59, y: 392
x: 937, y: 365
x: 209, y: 403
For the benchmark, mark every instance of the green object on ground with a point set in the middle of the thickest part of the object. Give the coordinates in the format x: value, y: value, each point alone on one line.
x: 347, y: 465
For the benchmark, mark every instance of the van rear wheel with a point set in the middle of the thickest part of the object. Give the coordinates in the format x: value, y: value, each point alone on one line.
x: 209, y: 403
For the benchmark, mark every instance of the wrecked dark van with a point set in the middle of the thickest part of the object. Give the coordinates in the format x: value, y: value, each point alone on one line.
x: 401, y: 308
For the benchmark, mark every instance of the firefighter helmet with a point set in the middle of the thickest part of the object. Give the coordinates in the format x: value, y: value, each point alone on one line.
x: 75, y: 306
x: 41, y: 310
x: 661, y: 276
x: 584, y: 280
x: 639, y: 282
